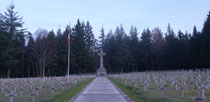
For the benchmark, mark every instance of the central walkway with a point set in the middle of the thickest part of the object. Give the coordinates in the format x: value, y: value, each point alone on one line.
x: 100, y: 90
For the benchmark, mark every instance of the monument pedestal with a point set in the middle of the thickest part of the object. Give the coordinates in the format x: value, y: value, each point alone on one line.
x: 101, y: 72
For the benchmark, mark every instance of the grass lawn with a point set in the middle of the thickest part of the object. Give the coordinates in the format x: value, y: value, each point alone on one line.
x: 68, y: 94
x: 46, y: 96
x: 138, y: 95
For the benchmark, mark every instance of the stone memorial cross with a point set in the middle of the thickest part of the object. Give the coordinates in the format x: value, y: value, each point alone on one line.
x: 101, y: 71
x: 101, y: 54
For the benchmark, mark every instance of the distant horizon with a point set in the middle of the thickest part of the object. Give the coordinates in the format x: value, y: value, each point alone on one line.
x: 182, y: 15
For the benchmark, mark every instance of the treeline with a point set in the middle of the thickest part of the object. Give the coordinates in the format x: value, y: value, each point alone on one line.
x: 47, y: 53
x: 44, y: 53
x: 23, y: 54
x: 156, y: 50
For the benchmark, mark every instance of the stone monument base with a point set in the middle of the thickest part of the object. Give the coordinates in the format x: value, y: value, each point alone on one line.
x: 101, y: 72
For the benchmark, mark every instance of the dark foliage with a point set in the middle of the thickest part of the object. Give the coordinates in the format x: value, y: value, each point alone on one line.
x: 45, y: 53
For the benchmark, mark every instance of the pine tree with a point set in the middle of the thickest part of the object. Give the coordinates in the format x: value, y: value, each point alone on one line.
x: 89, y: 38
x: 79, y: 47
x: 90, y: 46
x: 120, y: 54
x: 102, y: 37
x: 13, y: 54
x: 145, y: 52
x: 195, y: 32
x: 158, y: 44
x: 3, y: 43
x: 134, y: 47
x: 110, y: 49
x: 171, y: 48
x: 195, y: 47
x: 51, y: 42
x: 62, y: 53
x: 183, y: 47
x: 29, y: 56
x: 206, y: 42
x: 127, y: 62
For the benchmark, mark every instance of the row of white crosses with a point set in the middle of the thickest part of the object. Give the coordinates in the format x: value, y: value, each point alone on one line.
x: 181, y: 81
x: 16, y: 87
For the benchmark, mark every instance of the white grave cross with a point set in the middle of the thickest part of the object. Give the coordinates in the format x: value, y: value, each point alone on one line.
x: 33, y: 94
x: 203, y: 90
x: 11, y: 95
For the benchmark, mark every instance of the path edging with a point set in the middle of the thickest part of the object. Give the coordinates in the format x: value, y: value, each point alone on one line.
x: 77, y: 95
x: 121, y: 92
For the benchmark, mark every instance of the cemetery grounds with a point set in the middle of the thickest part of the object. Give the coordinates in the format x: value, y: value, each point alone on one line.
x: 45, y: 89
x: 165, y: 86
x: 157, y: 86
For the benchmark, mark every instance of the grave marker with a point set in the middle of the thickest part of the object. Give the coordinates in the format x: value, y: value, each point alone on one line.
x: 161, y: 92
x: 33, y: 94
x: 182, y: 90
x: 11, y: 96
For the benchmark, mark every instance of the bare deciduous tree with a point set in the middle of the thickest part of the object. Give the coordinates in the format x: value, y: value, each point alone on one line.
x: 41, y: 50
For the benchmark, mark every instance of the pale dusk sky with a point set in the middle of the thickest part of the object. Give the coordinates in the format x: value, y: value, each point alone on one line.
x: 50, y: 14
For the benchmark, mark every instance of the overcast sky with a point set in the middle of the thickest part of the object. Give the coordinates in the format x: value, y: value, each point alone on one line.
x: 49, y: 14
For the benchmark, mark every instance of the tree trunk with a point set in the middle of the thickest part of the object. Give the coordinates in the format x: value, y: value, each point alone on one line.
x: 152, y: 63
x: 40, y: 67
x: 23, y: 64
x: 44, y: 63
x: 8, y: 73
x: 28, y: 70
x: 37, y: 70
